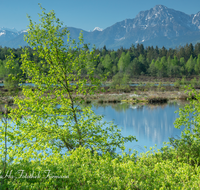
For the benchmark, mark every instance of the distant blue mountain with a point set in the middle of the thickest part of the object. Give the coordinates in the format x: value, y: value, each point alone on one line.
x: 159, y: 26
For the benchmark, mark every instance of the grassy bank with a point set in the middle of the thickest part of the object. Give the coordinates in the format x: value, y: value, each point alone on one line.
x: 150, y: 93
x: 136, y: 94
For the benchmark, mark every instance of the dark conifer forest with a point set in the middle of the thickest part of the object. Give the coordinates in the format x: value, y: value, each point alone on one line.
x: 133, y: 62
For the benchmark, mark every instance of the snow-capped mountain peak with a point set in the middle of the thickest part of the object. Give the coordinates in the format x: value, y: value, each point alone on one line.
x: 98, y: 29
x: 2, y: 33
x: 23, y: 31
x: 158, y: 26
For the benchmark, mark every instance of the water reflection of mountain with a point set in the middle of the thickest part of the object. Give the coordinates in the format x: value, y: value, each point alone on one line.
x: 150, y: 124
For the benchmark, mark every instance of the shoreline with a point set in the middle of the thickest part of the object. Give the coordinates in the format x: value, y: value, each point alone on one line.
x: 134, y: 94
x: 139, y: 97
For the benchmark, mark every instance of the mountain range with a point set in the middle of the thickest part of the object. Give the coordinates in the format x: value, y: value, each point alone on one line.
x: 159, y: 26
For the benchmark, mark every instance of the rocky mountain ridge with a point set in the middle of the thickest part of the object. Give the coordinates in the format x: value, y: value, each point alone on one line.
x: 159, y: 26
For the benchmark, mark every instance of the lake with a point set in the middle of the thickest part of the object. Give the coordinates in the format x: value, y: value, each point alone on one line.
x: 150, y: 124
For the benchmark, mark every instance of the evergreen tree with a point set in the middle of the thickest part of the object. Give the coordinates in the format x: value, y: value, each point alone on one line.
x: 197, y: 49
x: 124, y: 61
x: 182, y: 65
x: 107, y: 63
x: 152, y: 68
x: 190, y: 65
x: 197, y: 65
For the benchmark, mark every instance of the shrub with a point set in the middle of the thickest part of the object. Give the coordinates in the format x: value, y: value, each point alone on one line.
x: 188, y: 147
x: 177, y: 83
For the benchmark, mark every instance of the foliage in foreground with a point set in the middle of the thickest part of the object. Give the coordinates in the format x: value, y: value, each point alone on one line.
x: 64, y: 148
x: 169, y: 168
x: 188, y: 146
x: 50, y: 119
x: 82, y: 170
x: 53, y: 119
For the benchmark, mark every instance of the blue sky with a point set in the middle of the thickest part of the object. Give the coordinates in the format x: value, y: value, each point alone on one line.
x: 85, y: 14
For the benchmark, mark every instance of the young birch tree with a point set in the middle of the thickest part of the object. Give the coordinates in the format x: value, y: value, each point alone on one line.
x: 49, y: 119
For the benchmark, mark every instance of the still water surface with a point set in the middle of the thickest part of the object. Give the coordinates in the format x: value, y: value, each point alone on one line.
x: 150, y: 124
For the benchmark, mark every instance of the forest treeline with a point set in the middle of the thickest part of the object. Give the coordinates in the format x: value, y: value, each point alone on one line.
x: 151, y: 61
x: 135, y: 61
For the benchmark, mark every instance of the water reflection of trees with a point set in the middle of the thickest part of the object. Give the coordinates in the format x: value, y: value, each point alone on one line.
x: 151, y: 122
x: 125, y: 106
x: 154, y: 124
x: 119, y: 107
